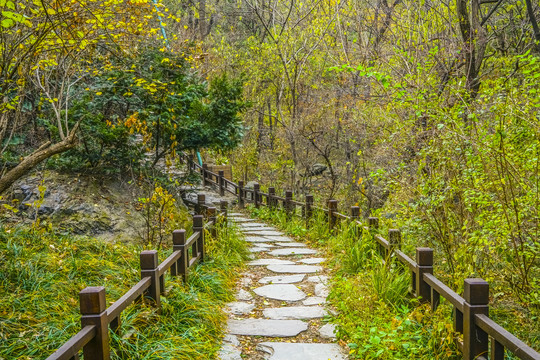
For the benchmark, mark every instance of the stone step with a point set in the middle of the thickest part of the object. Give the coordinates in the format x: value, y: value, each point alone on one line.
x: 294, y: 269
x: 295, y: 313
x: 301, y: 351
x: 283, y: 292
x: 282, y: 279
x: 266, y: 327
x: 263, y: 233
x: 292, y: 251
x: 264, y: 262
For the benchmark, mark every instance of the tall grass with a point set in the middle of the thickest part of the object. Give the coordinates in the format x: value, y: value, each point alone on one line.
x: 376, y: 317
x: 40, y: 277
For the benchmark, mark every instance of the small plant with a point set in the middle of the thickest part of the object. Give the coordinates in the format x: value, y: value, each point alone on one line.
x: 160, y: 214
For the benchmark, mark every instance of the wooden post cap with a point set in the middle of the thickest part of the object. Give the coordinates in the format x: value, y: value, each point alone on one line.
x: 197, y: 221
x: 476, y: 291
x: 373, y: 222
x: 212, y: 211
x: 394, y: 236
x: 201, y: 198
x: 179, y: 237
x: 424, y: 256
x: 92, y: 300
x: 149, y: 259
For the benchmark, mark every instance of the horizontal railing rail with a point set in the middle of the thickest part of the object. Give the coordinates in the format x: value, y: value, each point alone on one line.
x: 470, y: 315
x: 97, y: 319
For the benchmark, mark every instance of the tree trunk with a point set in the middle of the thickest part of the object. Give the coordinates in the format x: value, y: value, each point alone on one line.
x: 45, y: 151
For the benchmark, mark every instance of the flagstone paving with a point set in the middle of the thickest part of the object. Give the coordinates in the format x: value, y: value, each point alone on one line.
x: 280, y: 307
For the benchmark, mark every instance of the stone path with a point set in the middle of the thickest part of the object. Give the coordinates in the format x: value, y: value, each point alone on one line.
x: 280, y: 302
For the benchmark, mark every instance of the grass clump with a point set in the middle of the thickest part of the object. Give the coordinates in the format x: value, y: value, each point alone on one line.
x: 41, y: 276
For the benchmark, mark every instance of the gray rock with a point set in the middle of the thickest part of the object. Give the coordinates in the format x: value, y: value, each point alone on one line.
x: 240, y: 308
x: 312, y: 261
x: 264, y: 327
x: 328, y: 331
x: 295, y: 312
x: 263, y: 233
x: 314, y: 300
x: 243, y: 295
x: 258, y: 249
x: 281, y: 238
x: 265, y: 262
x: 282, y: 279
x: 239, y: 220
x: 291, y: 244
x: 231, y: 339
x: 292, y: 251
x: 229, y: 352
x: 265, y: 245
x: 257, y: 239
x: 294, y: 269
x: 246, y: 280
x: 284, y: 292
x: 318, y: 279
x: 301, y: 351
x: 321, y: 290
x: 252, y: 224
x: 256, y: 230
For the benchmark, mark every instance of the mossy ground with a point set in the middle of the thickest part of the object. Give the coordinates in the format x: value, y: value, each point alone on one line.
x: 42, y: 274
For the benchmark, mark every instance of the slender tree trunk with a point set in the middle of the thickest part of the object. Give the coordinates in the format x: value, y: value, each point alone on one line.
x: 45, y: 151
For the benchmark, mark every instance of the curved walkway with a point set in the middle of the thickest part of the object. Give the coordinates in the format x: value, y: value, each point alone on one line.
x: 280, y: 303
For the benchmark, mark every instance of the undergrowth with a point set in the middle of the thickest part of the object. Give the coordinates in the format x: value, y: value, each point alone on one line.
x: 378, y: 319
x: 41, y: 276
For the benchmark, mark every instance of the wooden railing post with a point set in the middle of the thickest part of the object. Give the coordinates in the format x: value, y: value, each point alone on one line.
x: 241, y: 194
x: 332, y: 207
x: 201, y: 201
x: 256, y: 189
x: 355, y: 213
x: 94, y: 312
x: 212, y: 212
x: 288, y: 203
x: 373, y: 223
x: 179, y: 240
x: 394, y: 240
x: 424, y: 265
x: 204, y: 174
x: 309, y: 208
x: 223, y: 204
x: 221, y: 182
x: 149, y: 264
x: 198, y: 226
x: 271, y: 193
x: 475, y: 340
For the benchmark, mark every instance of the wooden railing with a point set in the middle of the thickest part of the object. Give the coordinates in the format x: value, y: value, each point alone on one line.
x: 97, y: 319
x: 482, y: 338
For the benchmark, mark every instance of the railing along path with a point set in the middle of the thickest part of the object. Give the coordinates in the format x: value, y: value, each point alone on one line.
x: 97, y: 320
x: 481, y: 337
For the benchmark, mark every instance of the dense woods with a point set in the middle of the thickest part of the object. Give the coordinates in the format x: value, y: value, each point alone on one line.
x: 424, y: 113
